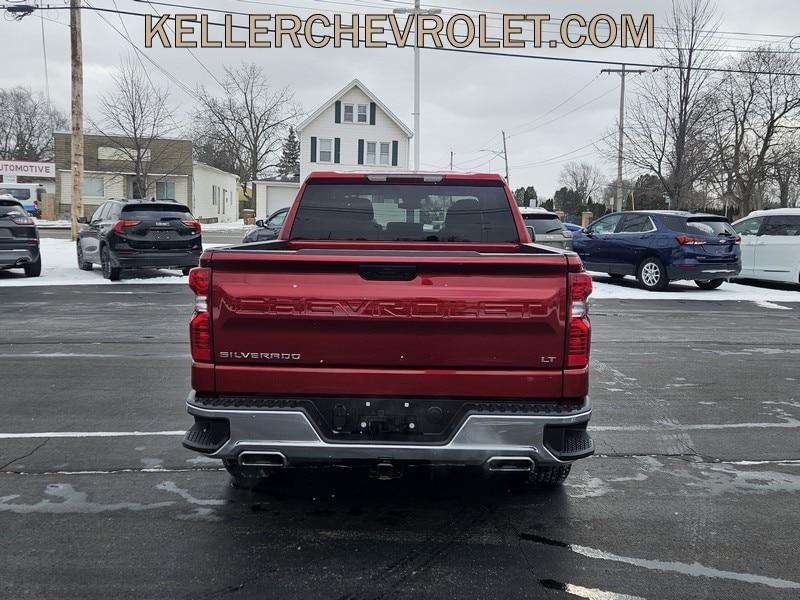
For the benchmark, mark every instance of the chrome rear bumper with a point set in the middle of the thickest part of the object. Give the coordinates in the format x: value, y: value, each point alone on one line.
x: 479, y: 438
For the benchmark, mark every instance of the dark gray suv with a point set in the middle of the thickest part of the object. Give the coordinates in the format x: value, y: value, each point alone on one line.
x: 19, y: 240
x: 133, y: 234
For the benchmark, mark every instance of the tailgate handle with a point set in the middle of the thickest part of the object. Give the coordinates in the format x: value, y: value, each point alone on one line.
x: 388, y: 272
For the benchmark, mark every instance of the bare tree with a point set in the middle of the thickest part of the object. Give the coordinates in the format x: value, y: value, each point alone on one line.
x: 667, y: 130
x: 785, y: 171
x: 248, y: 122
x: 753, y: 134
x: 584, y: 178
x: 27, y: 125
x: 137, y: 120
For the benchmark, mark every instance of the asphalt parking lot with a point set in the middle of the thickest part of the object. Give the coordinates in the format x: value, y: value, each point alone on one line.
x: 692, y: 494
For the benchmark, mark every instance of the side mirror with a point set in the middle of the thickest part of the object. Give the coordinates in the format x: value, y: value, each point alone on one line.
x: 531, y: 232
x: 588, y: 233
x: 82, y: 220
x: 260, y: 223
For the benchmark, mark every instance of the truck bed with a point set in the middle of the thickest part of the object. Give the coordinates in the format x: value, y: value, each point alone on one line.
x: 392, y: 322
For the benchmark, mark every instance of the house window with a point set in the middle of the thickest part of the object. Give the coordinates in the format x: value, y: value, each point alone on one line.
x: 371, y: 150
x: 94, y: 187
x: 165, y: 190
x: 384, y: 153
x: 348, y: 113
x: 325, y: 150
x: 362, y: 113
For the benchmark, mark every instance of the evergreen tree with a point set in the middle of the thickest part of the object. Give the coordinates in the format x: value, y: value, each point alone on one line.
x: 526, y: 196
x: 289, y: 163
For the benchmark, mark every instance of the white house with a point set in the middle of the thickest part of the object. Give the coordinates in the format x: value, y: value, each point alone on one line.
x: 216, y: 194
x: 351, y: 131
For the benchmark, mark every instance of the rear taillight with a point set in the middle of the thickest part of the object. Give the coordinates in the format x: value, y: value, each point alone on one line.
x: 194, y: 225
x: 200, y: 324
x: 122, y: 224
x: 579, y: 329
x: 688, y: 240
x: 20, y: 220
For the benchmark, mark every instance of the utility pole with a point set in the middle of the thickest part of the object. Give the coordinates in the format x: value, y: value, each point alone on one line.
x: 451, y: 160
x: 503, y: 155
x: 77, y: 114
x: 622, y: 73
x: 416, y: 12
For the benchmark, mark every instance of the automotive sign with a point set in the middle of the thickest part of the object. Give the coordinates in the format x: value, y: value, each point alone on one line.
x: 17, y: 168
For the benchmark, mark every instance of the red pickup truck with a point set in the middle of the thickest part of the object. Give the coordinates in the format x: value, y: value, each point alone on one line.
x: 399, y: 319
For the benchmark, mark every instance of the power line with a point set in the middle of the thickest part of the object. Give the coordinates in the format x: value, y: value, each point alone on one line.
x: 46, y: 76
x: 490, y: 26
x: 473, y: 51
x: 554, y: 159
x: 557, y: 20
x: 571, y: 111
x: 189, y: 50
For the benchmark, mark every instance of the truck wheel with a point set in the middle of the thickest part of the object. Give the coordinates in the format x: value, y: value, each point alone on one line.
x: 549, y: 476
x: 245, y: 478
x: 652, y: 275
x: 109, y: 272
x: 34, y: 269
x: 711, y: 284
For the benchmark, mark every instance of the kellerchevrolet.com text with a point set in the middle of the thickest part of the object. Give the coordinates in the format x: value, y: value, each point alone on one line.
x: 384, y: 30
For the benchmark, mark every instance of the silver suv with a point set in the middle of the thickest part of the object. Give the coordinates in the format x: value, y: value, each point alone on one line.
x: 547, y: 227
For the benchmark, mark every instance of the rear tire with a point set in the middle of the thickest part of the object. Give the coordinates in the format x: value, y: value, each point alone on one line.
x: 185, y: 270
x: 82, y: 264
x: 711, y: 284
x: 549, y: 476
x: 34, y: 269
x: 109, y: 272
x: 652, y: 275
x: 616, y: 276
x: 245, y: 478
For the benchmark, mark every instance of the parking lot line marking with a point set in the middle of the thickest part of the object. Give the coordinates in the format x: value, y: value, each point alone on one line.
x: 86, y: 434
x: 694, y: 569
x: 787, y: 424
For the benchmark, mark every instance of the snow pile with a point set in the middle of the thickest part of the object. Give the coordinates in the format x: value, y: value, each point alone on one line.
x: 60, y: 267
x: 61, y: 224
x: 235, y: 226
x: 628, y: 289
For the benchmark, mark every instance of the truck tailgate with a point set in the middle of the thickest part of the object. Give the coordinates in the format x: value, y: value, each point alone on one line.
x: 439, y: 318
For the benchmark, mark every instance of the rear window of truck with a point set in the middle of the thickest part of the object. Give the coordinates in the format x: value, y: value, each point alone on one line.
x: 404, y: 212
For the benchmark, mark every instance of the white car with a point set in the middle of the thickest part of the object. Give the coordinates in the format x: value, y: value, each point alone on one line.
x: 771, y: 245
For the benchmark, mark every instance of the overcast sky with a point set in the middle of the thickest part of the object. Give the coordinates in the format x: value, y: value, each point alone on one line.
x: 466, y: 99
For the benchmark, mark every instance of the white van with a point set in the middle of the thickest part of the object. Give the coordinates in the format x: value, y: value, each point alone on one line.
x: 31, y: 195
x: 771, y: 245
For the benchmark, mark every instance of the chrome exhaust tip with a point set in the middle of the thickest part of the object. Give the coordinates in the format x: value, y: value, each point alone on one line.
x: 262, y: 459
x: 511, y: 464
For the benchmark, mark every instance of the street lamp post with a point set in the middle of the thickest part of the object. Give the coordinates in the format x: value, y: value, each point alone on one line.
x: 416, y: 12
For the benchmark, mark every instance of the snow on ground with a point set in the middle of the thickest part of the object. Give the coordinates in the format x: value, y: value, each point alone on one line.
x: 42, y: 224
x: 628, y: 289
x: 235, y: 226
x: 59, y: 267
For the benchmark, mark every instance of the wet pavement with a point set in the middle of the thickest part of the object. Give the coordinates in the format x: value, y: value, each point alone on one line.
x: 693, y: 492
